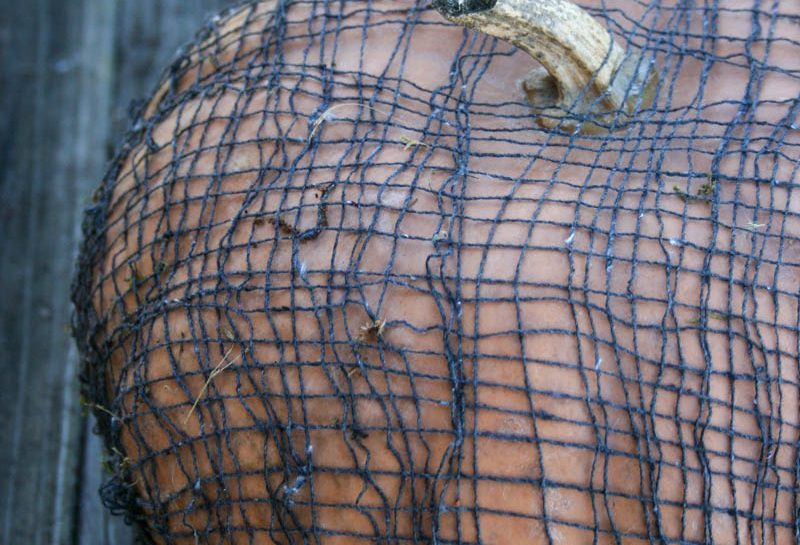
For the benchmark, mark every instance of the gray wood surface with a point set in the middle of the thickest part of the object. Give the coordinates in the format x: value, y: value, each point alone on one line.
x: 68, y: 71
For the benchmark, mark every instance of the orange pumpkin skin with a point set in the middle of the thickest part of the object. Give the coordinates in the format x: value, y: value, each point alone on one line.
x: 415, y: 344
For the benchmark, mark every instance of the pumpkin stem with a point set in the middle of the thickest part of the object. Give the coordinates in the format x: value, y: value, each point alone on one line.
x: 587, y: 81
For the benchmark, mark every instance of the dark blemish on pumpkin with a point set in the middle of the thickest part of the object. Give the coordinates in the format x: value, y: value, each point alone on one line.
x: 325, y: 189
x: 372, y: 331
x: 323, y: 214
x: 321, y: 190
x: 309, y: 234
x: 284, y: 227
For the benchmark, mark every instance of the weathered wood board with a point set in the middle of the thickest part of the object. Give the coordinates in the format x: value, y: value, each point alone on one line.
x: 68, y: 72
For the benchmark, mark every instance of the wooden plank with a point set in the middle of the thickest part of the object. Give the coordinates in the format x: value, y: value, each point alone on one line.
x: 55, y: 84
x: 67, y: 74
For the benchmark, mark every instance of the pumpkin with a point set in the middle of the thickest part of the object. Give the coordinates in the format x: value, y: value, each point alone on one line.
x: 342, y: 285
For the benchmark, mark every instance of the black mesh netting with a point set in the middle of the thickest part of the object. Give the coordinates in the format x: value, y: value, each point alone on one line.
x: 339, y: 286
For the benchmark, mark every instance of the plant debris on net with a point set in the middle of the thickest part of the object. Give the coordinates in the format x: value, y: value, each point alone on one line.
x: 339, y: 286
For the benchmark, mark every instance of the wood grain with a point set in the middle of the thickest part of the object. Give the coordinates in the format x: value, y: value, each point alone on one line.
x: 68, y: 72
